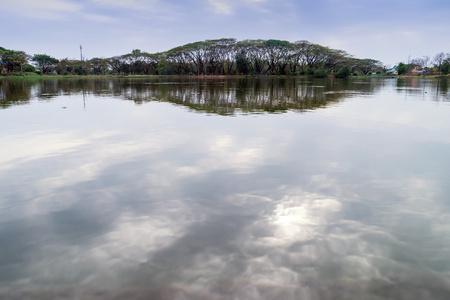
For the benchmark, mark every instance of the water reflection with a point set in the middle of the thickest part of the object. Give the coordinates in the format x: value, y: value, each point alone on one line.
x: 225, y: 97
x: 151, y: 201
x: 437, y: 88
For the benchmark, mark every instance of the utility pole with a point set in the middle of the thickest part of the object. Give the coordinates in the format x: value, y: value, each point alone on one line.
x: 81, y: 53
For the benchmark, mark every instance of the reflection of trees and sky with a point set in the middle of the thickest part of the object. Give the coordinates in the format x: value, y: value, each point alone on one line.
x: 225, y: 97
x: 110, y: 198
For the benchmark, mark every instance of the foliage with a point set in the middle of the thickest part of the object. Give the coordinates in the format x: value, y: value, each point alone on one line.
x: 11, y: 60
x: 221, y: 57
x: 242, y: 63
x: 367, y: 65
x: 45, y: 62
x: 344, y: 72
x: 401, y: 69
x: 321, y: 73
x: 445, y: 68
x: 80, y: 69
x: 29, y: 68
x: 98, y: 66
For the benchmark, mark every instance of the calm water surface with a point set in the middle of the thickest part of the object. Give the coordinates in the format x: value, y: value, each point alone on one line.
x: 225, y: 189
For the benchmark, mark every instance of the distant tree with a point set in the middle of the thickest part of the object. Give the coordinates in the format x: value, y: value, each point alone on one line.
x: 334, y: 59
x: 45, y: 62
x: 80, y: 69
x: 65, y: 66
x: 366, y: 65
x: 425, y: 61
x: 150, y: 63
x: 242, y: 64
x: 401, y: 69
x: 445, y: 67
x: 178, y: 59
x: 421, y: 63
x: 13, y: 60
x: 98, y: 66
x: 439, y: 60
x: 135, y: 61
x: 118, y: 64
x: 162, y: 67
x: 416, y: 63
x: 276, y: 53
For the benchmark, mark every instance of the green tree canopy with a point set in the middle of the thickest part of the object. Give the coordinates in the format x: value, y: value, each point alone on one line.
x: 12, y: 60
x: 45, y: 62
x: 401, y: 69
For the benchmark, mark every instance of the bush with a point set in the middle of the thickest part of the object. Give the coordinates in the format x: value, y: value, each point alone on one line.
x: 28, y: 68
x: 80, y: 70
x: 320, y: 73
x: 343, y: 73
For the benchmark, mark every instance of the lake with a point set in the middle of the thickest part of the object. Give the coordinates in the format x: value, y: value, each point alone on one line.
x: 271, y: 188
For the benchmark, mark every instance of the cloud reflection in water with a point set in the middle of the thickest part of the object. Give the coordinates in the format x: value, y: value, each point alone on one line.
x: 336, y: 204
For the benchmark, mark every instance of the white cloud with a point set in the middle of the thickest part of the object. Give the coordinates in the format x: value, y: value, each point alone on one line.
x: 43, y: 8
x: 98, y: 18
x: 221, y: 6
x: 134, y: 4
x: 228, y: 6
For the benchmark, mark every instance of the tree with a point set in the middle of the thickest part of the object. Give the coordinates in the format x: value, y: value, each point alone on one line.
x: 117, y: 64
x: 425, y: 61
x: 80, y: 68
x: 445, y: 68
x: 99, y: 66
x: 255, y: 55
x: 276, y: 53
x: 196, y: 53
x: 135, y: 61
x: 439, y: 60
x: 242, y: 64
x: 366, y: 65
x: 45, y: 62
x: 65, y: 66
x: 178, y: 59
x: 13, y: 60
x: 401, y: 69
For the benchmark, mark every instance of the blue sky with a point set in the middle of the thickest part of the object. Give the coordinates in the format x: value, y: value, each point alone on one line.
x: 387, y: 30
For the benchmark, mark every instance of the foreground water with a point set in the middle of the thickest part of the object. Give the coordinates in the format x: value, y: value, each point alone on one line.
x: 225, y: 189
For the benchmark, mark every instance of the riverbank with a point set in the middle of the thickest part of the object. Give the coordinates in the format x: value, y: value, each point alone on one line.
x: 381, y: 76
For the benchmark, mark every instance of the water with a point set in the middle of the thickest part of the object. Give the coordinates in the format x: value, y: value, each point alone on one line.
x: 224, y: 189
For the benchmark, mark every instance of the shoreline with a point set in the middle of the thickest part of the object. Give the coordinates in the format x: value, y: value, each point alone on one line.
x: 37, y: 76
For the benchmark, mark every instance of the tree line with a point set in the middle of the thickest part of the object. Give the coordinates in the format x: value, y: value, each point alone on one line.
x: 211, y: 57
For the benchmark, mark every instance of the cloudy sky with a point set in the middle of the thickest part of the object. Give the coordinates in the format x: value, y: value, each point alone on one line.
x: 387, y: 30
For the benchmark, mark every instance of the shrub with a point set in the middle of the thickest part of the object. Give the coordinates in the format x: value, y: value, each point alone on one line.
x: 320, y: 73
x: 28, y: 68
x: 343, y: 73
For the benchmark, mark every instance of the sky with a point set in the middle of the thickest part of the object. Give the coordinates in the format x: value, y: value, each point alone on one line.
x: 391, y: 31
